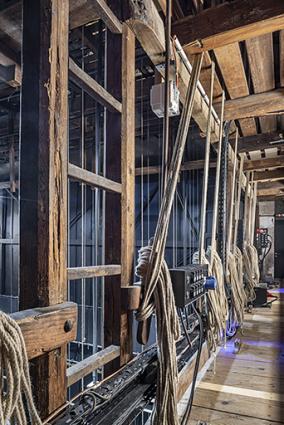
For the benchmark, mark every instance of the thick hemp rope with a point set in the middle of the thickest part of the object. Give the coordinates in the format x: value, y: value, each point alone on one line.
x: 251, y: 278
x: 14, y: 365
x: 238, y: 295
x: 155, y: 278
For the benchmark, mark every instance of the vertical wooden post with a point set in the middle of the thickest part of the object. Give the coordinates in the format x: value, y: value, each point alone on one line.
x: 112, y: 308
x: 128, y: 182
x: 43, y: 177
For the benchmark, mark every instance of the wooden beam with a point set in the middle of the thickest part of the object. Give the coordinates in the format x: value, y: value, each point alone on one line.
x: 270, y: 185
x: 253, y: 105
x: 270, y: 192
x: 235, y: 79
x: 88, y: 365
x: 112, y: 309
x: 186, y: 374
x: 191, y: 165
x: 148, y: 28
x: 106, y: 15
x: 267, y: 198
x: 43, y: 177
x: 47, y: 328
x: 258, y: 141
x: 127, y: 183
x: 261, y: 62
x: 265, y: 163
x: 228, y: 23
x: 74, y: 273
x: 92, y: 179
x: 269, y: 176
x: 94, y: 89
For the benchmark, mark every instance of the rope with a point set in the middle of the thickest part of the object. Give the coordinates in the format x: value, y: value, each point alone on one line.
x: 14, y: 363
x: 251, y: 275
x: 155, y: 277
x: 217, y: 304
x: 238, y: 295
x: 168, y: 330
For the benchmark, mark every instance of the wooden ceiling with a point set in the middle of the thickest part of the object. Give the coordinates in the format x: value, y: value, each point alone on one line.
x: 248, y: 68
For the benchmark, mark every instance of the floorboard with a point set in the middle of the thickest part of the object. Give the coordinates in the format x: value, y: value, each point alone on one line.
x: 246, y: 387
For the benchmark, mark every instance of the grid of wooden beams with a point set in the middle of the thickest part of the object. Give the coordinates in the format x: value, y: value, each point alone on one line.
x: 229, y: 23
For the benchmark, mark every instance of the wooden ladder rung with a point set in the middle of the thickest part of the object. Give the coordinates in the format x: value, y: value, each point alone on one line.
x: 74, y: 273
x: 93, y: 88
x: 92, y: 179
x: 88, y: 365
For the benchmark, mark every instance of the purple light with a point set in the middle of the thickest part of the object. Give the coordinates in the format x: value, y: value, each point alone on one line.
x: 277, y: 291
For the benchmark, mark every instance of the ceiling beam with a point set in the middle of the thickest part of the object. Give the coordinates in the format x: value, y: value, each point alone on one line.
x: 270, y: 192
x: 254, y: 105
x: 265, y: 163
x: 270, y: 185
x: 148, y: 27
x: 258, y: 141
x: 228, y: 23
x: 267, y: 198
x: 269, y: 176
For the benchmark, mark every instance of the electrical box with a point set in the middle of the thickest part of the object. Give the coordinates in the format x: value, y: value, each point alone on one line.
x: 262, y: 237
x: 189, y: 283
x: 157, y: 98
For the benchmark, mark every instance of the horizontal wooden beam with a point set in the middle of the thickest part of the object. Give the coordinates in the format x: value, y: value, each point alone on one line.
x: 47, y: 328
x: 267, y: 198
x: 270, y: 192
x: 88, y: 365
x: 270, y: 185
x: 94, y: 89
x: 92, y: 179
x: 269, y: 176
x: 258, y: 141
x: 191, y: 165
x: 229, y: 23
x: 254, y: 105
x: 107, y: 16
x: 74, y: 273
x: 265, y: 163
x: 186, y: 374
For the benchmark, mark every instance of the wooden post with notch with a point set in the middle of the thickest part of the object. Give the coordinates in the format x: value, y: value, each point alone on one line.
x: 43, y: 205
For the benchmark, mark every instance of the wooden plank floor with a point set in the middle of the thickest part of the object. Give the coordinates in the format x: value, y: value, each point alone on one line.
x: 247, y: 388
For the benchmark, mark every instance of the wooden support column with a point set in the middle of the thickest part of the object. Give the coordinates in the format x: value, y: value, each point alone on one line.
x: 43, y: 205
x: 128, y: 182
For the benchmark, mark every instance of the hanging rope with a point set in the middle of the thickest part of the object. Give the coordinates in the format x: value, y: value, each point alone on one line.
x: 14, y: 365
x: 155, y: 278
x: 238, y: 296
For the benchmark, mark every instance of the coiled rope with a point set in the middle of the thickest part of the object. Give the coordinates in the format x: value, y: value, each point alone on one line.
x: 14, y: 365
x: 155, y: 278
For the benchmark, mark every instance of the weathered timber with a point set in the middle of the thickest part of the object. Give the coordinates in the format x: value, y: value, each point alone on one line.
x: 148, y: 28
x: 267, y: 198
x: 88, y: 365
x: 253, y: 105
x: 258, y: 141
x: 127, y: 183
x: 265, y: 163
x: 270, y: 185
x: 47, y: 328
x: 269, y: 176
x: 106, y: 15
x: 261, y: 62
x: 43, y: 177
x: 94, y: 89
x: 192, y: 165
x: 74, y: 273
x: 235, y: 79
x: 186, y: 374
x: 130, y: 297
x: 92, y: 179
x: 113, y: 326
x: 228, y: 23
